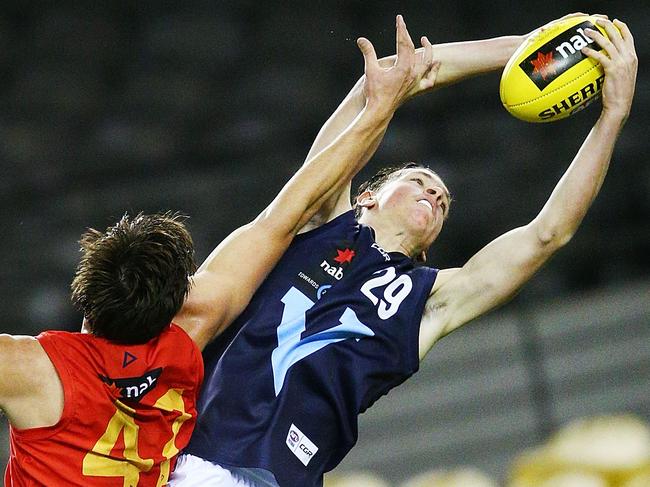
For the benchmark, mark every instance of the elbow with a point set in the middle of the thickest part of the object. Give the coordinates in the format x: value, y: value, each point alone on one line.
x: 274, y: 224
x: 273, y: 230
x: 282, y: 220
x: 552, y: 238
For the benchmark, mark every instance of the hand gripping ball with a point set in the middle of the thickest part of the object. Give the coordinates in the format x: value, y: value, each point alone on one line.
x: 548, y: 78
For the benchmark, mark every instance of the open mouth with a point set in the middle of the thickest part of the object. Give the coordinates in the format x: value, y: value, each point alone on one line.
x: 426, y: 203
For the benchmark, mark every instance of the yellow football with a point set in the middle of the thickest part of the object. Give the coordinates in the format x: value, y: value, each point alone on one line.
x: 548, y: 78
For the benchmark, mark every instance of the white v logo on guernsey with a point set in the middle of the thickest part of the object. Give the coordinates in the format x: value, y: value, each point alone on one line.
x: 291, y: 348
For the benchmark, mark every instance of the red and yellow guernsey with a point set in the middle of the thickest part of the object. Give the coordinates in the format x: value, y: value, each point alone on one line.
x: 129, y: 410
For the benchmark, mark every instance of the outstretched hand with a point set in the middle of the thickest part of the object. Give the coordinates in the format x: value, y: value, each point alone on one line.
x: 620, y: 64
x: 386, y: 88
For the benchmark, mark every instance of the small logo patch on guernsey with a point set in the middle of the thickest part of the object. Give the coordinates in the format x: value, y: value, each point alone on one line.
x: 300, y: 445
x: 129, y: 358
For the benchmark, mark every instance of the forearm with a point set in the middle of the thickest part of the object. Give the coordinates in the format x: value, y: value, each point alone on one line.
x: 347, y: 111
x: 578, y: 187
x: 324, y: 174
x: 461, y: 60
x: 495, y: 273
x: 458, y: 61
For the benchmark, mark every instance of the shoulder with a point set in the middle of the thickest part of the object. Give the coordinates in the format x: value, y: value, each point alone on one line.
x: 26, y: 372
x: 174, y: 351
x: 330, y: 210
x: 184, y: 347
x: 345, y: 216
x: 443, y: 277
x: 19, y: 353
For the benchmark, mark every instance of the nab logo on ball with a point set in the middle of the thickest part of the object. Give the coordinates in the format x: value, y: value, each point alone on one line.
x: 557, y: 56
x: 548, y: 77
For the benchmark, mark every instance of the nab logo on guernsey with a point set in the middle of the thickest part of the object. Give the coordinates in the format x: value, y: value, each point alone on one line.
x: 134, y: 388
x: 342, y: 257
x: 336, y: 272
x: 300, y: 445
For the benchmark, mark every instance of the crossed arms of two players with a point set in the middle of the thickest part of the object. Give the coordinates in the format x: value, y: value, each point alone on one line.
x: 226, y: 281
x: 222, y: 287
x: 320, y: 189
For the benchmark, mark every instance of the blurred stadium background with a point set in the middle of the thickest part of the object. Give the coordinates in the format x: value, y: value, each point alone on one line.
x: 207, y: 107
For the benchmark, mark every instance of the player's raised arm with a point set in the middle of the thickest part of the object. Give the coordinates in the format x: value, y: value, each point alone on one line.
x: 499, y: 270
x: 462, y: 60
x: 458, y: 61
x: 226, y: 281
x: 349, y: 109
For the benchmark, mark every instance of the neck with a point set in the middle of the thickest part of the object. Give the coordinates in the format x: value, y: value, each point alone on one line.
x: 393, y: 238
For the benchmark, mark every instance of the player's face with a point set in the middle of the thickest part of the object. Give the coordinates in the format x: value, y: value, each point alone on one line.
x: 419, y: 200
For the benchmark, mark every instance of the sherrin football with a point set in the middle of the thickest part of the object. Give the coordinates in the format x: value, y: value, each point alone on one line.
x: 548, y: 78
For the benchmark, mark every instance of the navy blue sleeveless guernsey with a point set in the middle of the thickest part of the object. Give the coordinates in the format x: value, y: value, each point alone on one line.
x: 333, y: 328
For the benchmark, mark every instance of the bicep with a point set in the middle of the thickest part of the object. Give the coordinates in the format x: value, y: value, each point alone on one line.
x: 225, y: 283
x: 25, y: 370
x: 490, y: 278
x: 14, y: 378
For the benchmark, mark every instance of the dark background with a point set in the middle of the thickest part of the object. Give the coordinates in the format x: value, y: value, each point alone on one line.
x: 208, y: 107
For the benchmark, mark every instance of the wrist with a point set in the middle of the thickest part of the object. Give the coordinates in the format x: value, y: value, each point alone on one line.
x: 614, y: 118
x: 375, y: 115
x: 611, y: 121
x: 510, y: 45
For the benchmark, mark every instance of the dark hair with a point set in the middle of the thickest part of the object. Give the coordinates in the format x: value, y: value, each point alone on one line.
x: 133, y: 278
x: 381, y: 177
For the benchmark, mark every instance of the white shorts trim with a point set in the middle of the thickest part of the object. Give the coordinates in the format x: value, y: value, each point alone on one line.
x: 193, y: 471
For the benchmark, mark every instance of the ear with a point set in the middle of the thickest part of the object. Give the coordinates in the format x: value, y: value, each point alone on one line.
x: 85, y: 327
x: 366, y: 199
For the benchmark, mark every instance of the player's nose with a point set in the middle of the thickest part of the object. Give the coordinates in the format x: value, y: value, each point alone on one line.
x: 436, y: 192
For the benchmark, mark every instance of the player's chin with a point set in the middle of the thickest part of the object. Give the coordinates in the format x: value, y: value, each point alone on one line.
x: 420, y: 222
x: 425, y: 226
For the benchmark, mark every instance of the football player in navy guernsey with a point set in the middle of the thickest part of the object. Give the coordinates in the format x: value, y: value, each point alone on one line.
x: 348, y: 313
x: 128, y: 303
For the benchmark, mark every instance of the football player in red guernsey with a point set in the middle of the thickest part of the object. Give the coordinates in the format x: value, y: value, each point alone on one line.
x: 114, y: 404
